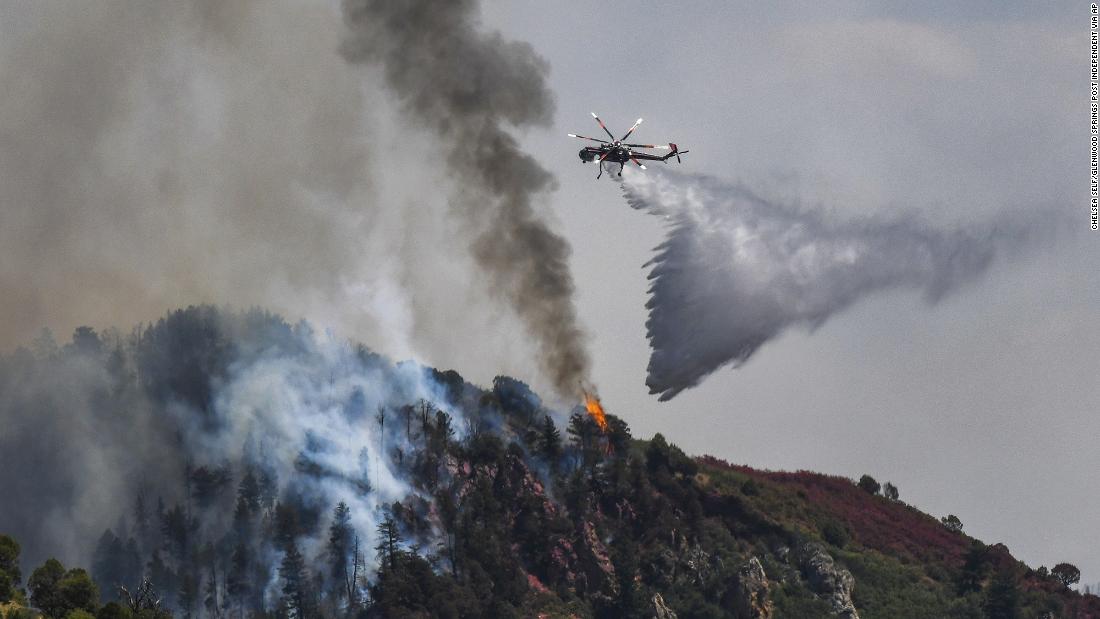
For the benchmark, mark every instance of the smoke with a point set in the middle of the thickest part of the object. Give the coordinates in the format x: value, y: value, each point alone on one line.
x: 464, y: 85
x: 736, y: 270
x: 90, y: 425
x: 174, y: 153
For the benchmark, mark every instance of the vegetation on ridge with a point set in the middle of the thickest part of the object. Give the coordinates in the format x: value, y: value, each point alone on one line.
x: 503, y: 513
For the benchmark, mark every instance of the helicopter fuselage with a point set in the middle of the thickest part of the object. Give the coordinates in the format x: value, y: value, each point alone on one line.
x: 617, y: 154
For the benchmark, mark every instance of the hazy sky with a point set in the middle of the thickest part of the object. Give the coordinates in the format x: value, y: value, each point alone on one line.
x: 230, y: 155
x: 984, y: 405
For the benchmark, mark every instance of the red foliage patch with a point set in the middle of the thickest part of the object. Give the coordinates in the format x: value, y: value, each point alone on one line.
x: 891, y: 527
x: 896, y: 529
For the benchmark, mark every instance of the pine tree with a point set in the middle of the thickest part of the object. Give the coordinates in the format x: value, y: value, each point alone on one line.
x: 388, y: 543
x: 106, y: 560
x: 339, y: 550
x: 550, y: 440
x: 296, y: 599
x: 162, y: 577
x: 248, y: 492
x: 444, y: 431
x: 269, y: 490
x: 237, y: 580
x: 356, y: 568
x: 1003, y: 596
x: 210, y: 601
x: 585, y: 436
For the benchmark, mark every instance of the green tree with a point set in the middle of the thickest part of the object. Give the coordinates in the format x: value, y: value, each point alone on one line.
x: 835, y: 533
x: 868, y: 484
x: 549, y: 440
x: 57, y: 592
x: 389, y: 541
x: 444, y: 432
x: 79, y: 591
x: 1066, y: 573
x: 657, y: 453
x: 44, y: 588
x: 952, y: 522
x: 114, y: 610
x: 248, y: 492
x: 7, y: 588
x: 10, y: 576
x: 618, y: 436
x: 108, y: 560
x: 339, y: 553
x: 631, y: 601
x: 296, y: 598
x: 890, y: 491
x: 975, y: 568
x: 87, y: 342
x: 1002, y: 599
x: 585, y: 436
x: 237, y: 580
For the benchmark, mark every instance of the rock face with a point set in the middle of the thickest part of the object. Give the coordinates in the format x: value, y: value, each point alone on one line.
x: 827, y: 579
x: 596, y: 568
x: 748, y: 598
x: 660, y: 610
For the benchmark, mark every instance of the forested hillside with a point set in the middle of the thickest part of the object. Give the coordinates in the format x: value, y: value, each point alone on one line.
x: 222, y: 464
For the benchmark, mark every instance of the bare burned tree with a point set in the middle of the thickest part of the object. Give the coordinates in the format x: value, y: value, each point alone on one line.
x: 145, y: 599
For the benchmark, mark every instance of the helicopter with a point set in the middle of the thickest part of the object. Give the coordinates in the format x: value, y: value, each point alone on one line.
x: 617, y: 151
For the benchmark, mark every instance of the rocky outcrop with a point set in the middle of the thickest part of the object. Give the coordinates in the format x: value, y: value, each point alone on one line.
x: 748, y: 597
x: 660, y: 609
x: 596, y: 568
x: 827, y: 579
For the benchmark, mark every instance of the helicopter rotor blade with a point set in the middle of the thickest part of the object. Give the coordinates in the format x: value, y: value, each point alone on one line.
x: 606, y: 130
x: 585, y: 137
x: 636, y: 161
x: 657, y: 146
x: 636, y: 123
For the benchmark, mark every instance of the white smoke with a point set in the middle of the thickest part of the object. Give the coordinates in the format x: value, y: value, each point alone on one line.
x: 321, y: 406
x: 736, y: 270
x: 84, y: 433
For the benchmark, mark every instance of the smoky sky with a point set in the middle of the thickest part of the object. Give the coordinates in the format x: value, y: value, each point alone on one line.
x: 736, y: 270
x: 225, y: 152
x: 467, y: 86
x: 160, y: 154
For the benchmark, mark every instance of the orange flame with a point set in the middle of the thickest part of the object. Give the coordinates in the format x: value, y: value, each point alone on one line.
x: 595, y: 410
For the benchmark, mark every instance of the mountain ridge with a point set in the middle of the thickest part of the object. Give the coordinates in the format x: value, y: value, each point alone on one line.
x: 265, y: 471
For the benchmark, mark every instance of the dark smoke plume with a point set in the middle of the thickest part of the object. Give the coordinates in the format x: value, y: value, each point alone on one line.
x: 736, y: 270
x: 465, y: 85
